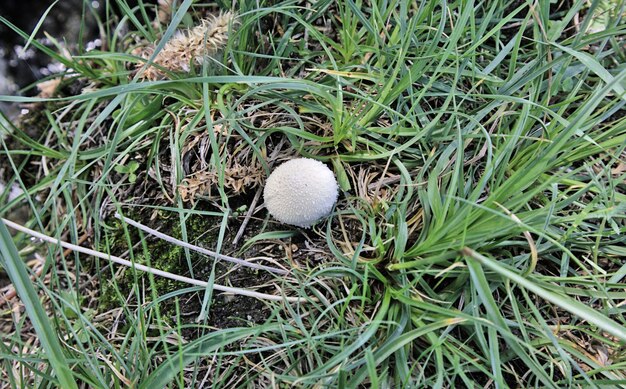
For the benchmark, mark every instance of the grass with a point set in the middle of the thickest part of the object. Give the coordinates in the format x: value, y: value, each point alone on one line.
x: 478, y: 240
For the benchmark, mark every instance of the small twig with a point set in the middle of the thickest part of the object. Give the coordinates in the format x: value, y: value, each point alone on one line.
x: 199, y: 249
x: 82, y: 240
x: 380, y: 182
x: 257, y: 196
x: 157, y: 272
x: 242, y: 228
x: 383, y: 181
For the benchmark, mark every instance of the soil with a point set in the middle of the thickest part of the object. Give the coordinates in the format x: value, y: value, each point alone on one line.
x: 4, y: 279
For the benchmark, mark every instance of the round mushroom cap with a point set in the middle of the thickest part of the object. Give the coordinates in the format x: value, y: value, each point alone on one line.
x: 300, y: 192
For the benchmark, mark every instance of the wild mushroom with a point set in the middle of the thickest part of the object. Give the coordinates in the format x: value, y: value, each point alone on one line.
x: 300, y: 192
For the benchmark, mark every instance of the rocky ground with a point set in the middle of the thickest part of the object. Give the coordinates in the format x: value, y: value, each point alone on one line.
x: 20, y: 67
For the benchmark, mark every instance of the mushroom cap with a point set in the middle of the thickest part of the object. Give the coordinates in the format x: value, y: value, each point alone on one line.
x: 300, y: 192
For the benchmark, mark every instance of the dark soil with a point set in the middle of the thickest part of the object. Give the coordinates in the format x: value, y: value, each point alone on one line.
x: 4, y: 279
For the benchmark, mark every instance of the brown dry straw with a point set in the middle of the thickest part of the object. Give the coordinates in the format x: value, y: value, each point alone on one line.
x: 191, y: 47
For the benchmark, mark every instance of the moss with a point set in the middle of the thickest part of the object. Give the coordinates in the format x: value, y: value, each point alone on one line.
x: 225, y: 311
x: 155, y: 253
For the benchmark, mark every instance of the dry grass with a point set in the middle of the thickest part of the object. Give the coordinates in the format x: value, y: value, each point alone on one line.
x: 190, y: 48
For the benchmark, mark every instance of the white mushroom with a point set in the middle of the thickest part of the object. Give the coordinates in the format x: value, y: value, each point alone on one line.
x: 300, y: 192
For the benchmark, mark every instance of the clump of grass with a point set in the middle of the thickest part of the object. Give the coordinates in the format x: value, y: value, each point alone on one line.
x: 478, y: 240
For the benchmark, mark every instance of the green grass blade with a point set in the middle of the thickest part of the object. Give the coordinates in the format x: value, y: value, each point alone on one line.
x: 575, y: 307
x: 205, y: 346
x: 18, y: 274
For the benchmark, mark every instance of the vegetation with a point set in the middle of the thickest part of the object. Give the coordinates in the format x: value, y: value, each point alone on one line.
x: 479, y: 236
